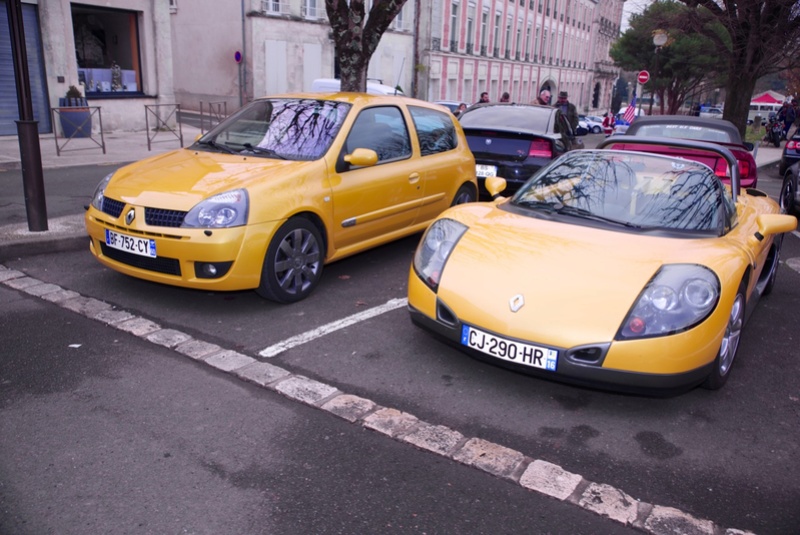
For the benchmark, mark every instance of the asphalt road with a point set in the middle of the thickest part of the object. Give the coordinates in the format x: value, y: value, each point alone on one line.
x: 727, y: 456
x: 102, y: 432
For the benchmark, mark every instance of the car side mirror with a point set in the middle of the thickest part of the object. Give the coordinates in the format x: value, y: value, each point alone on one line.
x: 362, y: 158
x: 495, y: 185
x: 749, y: 146
x: 769, y: 224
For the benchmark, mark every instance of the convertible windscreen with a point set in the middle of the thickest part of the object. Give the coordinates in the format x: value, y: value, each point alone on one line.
x: 291, y: 129
x: 633, y: 189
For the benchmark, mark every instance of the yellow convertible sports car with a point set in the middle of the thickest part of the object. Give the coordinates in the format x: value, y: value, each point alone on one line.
x: 285, y: 185
x: 626, y: 270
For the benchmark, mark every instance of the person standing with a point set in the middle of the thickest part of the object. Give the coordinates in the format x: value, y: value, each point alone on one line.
x: 505, y: 97
x: 608, y: 123
x: 789, y: 117
x: 544, y: 98
x: 568, y: 109
x: 461, y: 109
x: 484, y: 98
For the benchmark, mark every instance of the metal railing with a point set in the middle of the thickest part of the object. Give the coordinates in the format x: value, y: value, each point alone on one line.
x: 214, y: 114
x: 162, y: 123
x: 76, y: 123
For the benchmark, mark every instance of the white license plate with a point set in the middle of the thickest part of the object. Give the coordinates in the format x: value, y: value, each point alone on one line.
x: 502, y: 348
x: 484, y: 171
x: 131, y: 244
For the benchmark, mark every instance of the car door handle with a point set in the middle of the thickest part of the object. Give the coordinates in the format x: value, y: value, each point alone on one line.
x: 413, y: 178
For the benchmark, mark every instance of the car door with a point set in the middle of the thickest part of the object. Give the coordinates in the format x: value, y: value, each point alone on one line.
x: 445, y: 168
x: 380, y: 199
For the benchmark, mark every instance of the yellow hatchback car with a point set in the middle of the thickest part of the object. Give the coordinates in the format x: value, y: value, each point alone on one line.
x: 287, y: 184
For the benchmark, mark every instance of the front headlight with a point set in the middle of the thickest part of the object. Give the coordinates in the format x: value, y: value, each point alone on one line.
x: 679, y: 297
x: 99, y: 192
x: 433, y: 251
x: 229, y: 209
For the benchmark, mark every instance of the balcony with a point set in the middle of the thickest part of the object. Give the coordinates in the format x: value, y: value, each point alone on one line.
x: 314, y: 13
x: 275, y: 7
x: 436, y: 44
x: 454, y: 46
x: 496, y: 53
x: 483, y: 50
x: 469, y: 48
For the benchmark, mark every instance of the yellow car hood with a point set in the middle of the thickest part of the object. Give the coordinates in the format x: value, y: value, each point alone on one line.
x: 578, y: 283
x: 178, y: 180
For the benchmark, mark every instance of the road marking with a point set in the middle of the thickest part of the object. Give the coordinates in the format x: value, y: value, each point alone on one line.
x: 796, y: 234
x: 308, y: 336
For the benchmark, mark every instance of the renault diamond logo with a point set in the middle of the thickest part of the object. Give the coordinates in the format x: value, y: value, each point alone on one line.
x: 488, y: 141
x: 516, y: 302
x: 130, y: 216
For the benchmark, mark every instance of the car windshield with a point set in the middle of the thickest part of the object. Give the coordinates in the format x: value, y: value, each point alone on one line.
x: 291, y: 129
x: 627, y: 188
x: 685, y: 131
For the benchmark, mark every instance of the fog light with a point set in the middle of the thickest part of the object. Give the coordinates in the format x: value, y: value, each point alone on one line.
x: 211, y: 270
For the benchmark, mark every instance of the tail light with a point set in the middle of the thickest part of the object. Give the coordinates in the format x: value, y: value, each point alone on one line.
x: 540, y: 149
x: 721, y: 168
x: 792, y: 145
x: 744, y: 169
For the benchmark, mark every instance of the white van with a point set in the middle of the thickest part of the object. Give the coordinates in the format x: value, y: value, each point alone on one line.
x: 326, y: 85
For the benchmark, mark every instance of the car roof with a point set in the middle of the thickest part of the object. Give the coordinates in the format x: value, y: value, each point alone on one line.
x: 510, y: 117
x: 688, y: 120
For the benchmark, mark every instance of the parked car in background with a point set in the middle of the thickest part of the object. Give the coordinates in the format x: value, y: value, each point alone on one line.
x: 708, y: 112
x: 791, y: 153
x: 622, y: 269
x: 592, y: 123
x: 332, y: 85
x: 716, y: 131
x: 451, y: 105
x: 513, y: 141
x: 285, y: 185
x: 790, y: 192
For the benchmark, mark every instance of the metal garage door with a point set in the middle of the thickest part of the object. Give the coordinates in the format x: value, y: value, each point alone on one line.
x: 9, y: 112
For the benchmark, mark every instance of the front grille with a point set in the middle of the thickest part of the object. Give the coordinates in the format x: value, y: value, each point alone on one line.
x: 112, y: 207
x: 169, y: 266
x: 159, y: 217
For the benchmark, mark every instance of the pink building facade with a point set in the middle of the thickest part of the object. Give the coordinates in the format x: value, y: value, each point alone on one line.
x: 466, y: 47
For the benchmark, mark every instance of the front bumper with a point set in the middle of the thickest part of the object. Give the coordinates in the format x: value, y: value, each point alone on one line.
x: 240, y: 250
x: 571, y: 370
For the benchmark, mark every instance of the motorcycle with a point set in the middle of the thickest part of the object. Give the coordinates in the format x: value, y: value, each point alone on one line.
x: 774, y: 132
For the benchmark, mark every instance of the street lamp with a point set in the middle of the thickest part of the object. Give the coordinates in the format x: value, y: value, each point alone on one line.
x: 660, y: 38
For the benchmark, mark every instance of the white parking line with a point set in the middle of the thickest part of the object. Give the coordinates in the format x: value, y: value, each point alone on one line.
x: 305, y: 337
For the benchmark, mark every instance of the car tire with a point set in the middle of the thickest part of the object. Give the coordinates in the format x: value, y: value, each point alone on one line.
x: 465, y: 194
x: 774, y: 260
x: 596, y: 130
x: 293, y: 262
x: 730, y: 343
x: 788, y: 194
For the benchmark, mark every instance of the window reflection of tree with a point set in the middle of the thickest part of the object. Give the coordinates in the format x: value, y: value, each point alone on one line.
x: 607, y: 185
x: 295, y: 129
x: 692, y: 203
x: 303, y: 129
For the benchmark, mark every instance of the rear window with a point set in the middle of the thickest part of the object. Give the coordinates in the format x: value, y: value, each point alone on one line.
x: 525, y: 118
x: 685, y: 131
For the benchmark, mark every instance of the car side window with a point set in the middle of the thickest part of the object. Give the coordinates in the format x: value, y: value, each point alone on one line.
x: 435, y: 130
x: 383, y: 130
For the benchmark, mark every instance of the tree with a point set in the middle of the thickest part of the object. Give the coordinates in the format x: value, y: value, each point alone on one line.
x: 356, y: 38
x: 678, y: 69
x: 752, y: 38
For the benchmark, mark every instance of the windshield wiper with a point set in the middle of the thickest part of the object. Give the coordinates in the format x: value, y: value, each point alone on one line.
x: 219, y: 146
x: 586, y: 214
x: 549, y: 207
x: 261, y: 150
